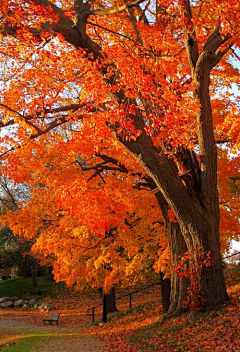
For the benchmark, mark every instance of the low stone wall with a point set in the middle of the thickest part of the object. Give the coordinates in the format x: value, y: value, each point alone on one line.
x: 9, y: 302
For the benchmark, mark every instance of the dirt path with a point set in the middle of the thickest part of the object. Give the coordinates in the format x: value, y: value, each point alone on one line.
x: 12, y: 327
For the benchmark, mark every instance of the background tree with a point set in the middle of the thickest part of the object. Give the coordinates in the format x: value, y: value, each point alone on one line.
x: 14, y: 251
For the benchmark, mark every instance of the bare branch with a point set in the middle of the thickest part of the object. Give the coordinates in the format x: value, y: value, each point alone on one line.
x: 103, y: 166
x: 10, y: 109
x: 235, y: 54
x: 111, y: 31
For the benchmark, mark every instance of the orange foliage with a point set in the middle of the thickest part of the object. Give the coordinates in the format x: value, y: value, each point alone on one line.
x: 93, y: 231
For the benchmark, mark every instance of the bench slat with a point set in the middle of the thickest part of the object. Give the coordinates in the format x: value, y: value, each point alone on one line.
x: 54, y: 317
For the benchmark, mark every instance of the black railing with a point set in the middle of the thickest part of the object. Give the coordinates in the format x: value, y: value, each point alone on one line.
x: 232, y: 255
x: 91, y: 311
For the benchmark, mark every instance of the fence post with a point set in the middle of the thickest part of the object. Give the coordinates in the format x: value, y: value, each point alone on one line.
x: 130, y: 301
x: 104, y: 307
x: 93, y: 317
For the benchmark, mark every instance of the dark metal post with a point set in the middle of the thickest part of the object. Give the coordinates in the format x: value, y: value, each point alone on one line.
x: 93, y: 317
x: 104, y: 307
x: 130, y: 301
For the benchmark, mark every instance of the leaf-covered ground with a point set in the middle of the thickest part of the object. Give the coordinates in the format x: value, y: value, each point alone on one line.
x: 132, y: 330
x: 140, y: 330
x: 22, y: 330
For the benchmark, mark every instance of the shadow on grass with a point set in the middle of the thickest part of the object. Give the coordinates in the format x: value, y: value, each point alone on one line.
x: 24, y: 344
x: 22, y: 288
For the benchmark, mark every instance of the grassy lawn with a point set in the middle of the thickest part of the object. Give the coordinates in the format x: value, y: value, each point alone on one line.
x: 25, y: 344
x: 23, y: 288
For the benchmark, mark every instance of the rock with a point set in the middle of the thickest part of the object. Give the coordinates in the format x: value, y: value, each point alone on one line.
x: 4, y: 299
x: 32, y: 302
x: 7, y: 304
x: 47, y: 307
x: 19, y: 303
x: 41, y: 308
x: 44, y: 307
x: 37, y: 305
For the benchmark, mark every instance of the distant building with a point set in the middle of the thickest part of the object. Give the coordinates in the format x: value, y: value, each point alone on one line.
x: 8, y: 273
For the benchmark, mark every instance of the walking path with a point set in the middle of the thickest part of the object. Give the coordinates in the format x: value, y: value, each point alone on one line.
x: 64, y: 338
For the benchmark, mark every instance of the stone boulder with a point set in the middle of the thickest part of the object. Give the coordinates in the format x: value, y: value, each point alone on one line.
x: 7, y: 304
x: 32, y: 302
x: 19, y: 303
x: 44, y: 307
x: 4, y: 299
x: 37, y: 305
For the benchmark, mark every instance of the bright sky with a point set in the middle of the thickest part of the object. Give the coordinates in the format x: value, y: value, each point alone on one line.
x: 235, y: 246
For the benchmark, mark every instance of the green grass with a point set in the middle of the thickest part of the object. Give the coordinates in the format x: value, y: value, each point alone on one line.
x: 22, y: 288
x: 23, y: 345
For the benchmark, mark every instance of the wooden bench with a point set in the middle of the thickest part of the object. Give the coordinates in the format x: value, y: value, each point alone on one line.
x: 53, y: 318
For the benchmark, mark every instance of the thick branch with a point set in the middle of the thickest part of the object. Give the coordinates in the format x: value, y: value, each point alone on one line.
x: 215, y: 40
x: 219, y: 56
x: 191, y: 43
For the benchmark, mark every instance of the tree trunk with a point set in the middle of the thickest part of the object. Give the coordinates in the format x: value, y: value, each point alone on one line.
x: 165, y: 292
x: 50, y: 269
x: 174, y: 290
x: 209, y: 278
x: 179, y: 284
x: 198, y: 224
x: 111, y: 302
x: 34, y: 271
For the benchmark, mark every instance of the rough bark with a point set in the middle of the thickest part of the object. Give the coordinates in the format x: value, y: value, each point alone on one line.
x: 173, y: 298
x: 206, y: 234
x: 178, y: 285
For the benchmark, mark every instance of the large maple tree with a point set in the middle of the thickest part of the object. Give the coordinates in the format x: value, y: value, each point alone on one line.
x: 140, y: 75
